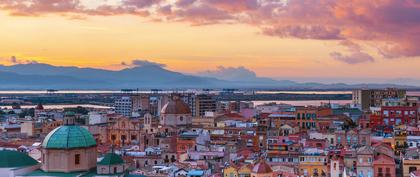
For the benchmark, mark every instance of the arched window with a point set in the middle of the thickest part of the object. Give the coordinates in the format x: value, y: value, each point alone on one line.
x: 77, y: 159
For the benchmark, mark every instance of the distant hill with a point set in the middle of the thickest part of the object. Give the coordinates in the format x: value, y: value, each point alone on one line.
x: 45, y: 76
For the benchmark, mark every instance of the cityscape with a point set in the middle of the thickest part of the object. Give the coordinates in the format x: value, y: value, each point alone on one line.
x: 372, y: 132
x: 209, y: 88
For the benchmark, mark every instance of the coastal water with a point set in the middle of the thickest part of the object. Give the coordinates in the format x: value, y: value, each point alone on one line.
x: 304, y: 102
x: 292, y: 102
x: 61, y: 106
x: 411, y: 93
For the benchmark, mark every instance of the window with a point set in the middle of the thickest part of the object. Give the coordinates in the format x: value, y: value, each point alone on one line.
x: 386, y: 113
x: 77, y: 159
x: 181, y: 118
x: 386, y: 121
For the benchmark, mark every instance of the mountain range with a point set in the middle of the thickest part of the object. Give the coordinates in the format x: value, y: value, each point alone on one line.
x: 36, y: 76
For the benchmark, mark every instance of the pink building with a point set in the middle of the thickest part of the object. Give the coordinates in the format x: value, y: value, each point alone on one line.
x: 384, y: 166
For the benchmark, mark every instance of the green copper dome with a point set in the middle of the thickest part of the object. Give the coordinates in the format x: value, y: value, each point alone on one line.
x: 111, y: 159
x: 11, y: 159
x: 68, y: 137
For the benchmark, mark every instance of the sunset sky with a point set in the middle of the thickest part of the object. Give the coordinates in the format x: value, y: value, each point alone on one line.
x: 274, y: 38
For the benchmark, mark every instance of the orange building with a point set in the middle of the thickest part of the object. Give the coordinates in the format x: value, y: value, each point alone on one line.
x: 123, y: 131
x: 184, y: 142
x: 306, y: 116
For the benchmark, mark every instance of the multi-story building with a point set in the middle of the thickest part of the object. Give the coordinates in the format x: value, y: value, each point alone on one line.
x: 410, y: 162
x: 123, y: 131
x: 313, y: 162
x: 203, y: 103
x: 31, y: 128
x: 366, y: 98
x: 124, y: 106
x: 306, y: 116
x: 364, y: 165
x: 397, y: 115
x: 140, y: 102
x: 384, y: 166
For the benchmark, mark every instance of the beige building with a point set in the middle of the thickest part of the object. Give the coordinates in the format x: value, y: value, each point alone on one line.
x: 31, y: 128
x: 69, y: 148
x: 410, y: 165
x: 176, y: 113
x: 367, y: 98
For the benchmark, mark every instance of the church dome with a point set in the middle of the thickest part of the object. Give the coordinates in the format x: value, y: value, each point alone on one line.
x: 10, y: 159
x: 176, y: 106
x: 68, y: 137
x: 261, y: 168
x: 111, y: 159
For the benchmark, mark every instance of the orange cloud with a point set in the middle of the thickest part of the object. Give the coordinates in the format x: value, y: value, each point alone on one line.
x: 393, y: 25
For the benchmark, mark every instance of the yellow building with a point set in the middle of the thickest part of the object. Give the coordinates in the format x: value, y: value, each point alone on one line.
x: 313, y: 162
x: 230, y: 171
x: 400, y: 137
x: 410, y: 165
x: 245, y: 171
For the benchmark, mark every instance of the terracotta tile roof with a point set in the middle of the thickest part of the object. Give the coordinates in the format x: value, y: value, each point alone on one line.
x: 261, y: 167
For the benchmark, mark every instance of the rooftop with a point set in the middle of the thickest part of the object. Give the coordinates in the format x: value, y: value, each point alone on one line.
x: 111, y: 159
x: 9, y: 159
x: 67, y: 137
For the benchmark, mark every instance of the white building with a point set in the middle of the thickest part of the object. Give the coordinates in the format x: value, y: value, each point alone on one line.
x: 96, y: 118
x: 124, y: 106
x: 413, y: 141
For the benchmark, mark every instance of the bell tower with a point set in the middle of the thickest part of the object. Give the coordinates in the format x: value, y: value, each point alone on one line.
x: 69, y: 118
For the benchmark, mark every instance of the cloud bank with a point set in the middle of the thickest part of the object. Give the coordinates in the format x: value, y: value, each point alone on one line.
x: 15, y: 60
x: 230, y: 73
x: 143, y: 63
x: 392, y: 26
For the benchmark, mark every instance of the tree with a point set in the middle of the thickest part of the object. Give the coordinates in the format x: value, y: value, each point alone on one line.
x: 27, y: 112
x: 78, y: 110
